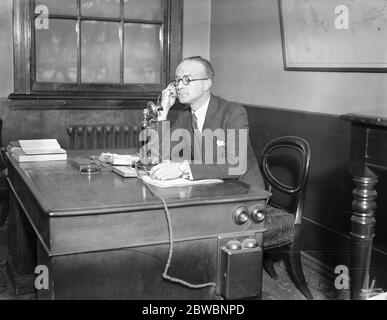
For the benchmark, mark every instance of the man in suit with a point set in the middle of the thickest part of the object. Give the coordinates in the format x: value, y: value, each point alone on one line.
x: 220, y: 124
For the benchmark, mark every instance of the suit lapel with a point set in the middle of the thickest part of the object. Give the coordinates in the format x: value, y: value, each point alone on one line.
x: 210, y: 121
x: 211, y: 113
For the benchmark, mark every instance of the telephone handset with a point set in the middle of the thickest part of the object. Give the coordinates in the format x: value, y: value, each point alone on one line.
x: 151, y: 113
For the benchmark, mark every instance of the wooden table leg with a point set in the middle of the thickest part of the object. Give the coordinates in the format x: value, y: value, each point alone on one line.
x: 362, y: 232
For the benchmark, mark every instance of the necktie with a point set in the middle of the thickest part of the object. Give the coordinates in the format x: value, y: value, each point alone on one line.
x: 196, y: 149
x: 194, y: 121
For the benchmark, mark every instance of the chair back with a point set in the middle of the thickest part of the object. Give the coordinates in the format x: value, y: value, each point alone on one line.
x: 284, y: 144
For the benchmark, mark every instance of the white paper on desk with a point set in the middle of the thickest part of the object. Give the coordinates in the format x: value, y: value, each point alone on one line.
x: 118, y: 159
x: 179, y: 182
x: 41, y: 146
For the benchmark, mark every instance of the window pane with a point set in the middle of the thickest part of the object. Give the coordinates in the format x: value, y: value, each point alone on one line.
x: 142, y: 57
x: 100, y: 51
x: 100, y: 8
x: 59, y: 6
x: 56, y: 52
x: 142, y: 9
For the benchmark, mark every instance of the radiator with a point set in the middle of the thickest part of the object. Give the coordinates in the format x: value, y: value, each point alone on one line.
x: 103, y: 136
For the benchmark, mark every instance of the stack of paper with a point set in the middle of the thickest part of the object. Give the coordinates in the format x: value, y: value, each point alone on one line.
x: 37, y: 150
x: 118, y: 159
x: 179, y: 182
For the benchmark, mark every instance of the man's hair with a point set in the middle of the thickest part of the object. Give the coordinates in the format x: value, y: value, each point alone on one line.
x: 205, y: 63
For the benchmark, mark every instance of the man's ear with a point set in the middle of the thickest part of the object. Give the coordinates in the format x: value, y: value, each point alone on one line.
x: 207, y: 84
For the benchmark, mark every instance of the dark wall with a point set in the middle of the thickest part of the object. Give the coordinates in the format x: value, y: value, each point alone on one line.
x: 326, y: 224
x: 328, y: 137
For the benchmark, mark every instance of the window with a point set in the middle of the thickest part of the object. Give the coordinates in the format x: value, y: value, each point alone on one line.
x: 95, y: 49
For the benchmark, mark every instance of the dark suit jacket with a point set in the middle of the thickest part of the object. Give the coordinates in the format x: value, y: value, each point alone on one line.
x: 221, y: 114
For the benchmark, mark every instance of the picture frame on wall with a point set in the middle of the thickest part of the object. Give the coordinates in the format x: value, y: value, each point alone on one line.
x: 334, y: 35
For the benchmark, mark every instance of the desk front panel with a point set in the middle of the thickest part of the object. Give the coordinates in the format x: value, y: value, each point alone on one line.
x: 147, y: 227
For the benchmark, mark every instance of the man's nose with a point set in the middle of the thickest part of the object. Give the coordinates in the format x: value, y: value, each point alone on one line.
x: 180, y: 85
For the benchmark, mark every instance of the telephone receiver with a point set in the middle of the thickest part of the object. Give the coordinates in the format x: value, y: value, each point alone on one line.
x: 151, y: 112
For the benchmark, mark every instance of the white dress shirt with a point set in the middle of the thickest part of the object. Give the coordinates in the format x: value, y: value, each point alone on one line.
x: 201, y: 114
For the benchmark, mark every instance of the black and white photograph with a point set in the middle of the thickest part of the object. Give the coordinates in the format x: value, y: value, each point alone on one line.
x: 198, y: 157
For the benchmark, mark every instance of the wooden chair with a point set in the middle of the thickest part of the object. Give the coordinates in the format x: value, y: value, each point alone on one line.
x: 285, y: 208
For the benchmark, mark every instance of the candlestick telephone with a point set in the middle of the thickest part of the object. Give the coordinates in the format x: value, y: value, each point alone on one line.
x: 150, y: 117
x: 151, y: 113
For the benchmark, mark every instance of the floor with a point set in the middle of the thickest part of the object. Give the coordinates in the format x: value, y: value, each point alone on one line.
x: 320, y: 282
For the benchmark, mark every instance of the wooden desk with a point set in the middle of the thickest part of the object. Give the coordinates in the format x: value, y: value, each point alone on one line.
x: 368, y: 149
x: 106, y: 237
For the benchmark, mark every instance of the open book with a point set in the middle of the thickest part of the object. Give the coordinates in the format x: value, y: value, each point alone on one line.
x: 179, y: 182
x: 38, y: 150
x: 41, y: 146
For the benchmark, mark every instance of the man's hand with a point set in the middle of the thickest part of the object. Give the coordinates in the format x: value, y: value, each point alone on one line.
x: 168, y: 98
x: 166, y: 171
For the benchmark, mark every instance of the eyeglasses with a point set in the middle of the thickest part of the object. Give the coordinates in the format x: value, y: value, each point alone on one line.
x: 186, y: 81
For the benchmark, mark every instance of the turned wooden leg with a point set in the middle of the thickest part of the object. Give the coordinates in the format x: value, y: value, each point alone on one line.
x: 362, y: 232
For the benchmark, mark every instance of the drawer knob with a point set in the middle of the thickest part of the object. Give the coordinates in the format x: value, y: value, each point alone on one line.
x: 258, y: 214
x: 240, y: 215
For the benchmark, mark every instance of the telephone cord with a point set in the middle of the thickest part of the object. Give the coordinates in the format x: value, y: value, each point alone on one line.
x: 170, y: 253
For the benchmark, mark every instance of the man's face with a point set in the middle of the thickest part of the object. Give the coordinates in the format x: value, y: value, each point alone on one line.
x: 195, y: 90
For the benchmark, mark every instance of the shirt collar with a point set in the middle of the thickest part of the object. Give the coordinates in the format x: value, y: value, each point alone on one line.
x: 201, y: 114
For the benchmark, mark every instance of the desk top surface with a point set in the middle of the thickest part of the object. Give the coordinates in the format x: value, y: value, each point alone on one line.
x: 376, y: 116
x: 61, y: 190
